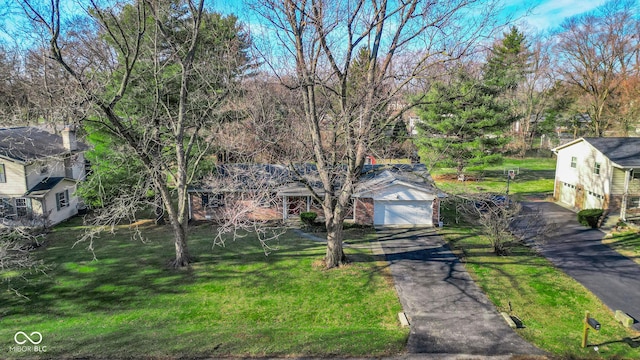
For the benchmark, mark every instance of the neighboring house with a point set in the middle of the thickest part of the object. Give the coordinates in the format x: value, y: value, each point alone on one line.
x: 599, y: 173
x: 39, y: 172
x: 386, y: 195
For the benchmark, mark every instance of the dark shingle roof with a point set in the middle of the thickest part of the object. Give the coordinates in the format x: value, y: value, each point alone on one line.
x: 380, y: 176
x: 30, y: 143
x: 250, y: 176
x: 622, y: 151
x: 44, y: 186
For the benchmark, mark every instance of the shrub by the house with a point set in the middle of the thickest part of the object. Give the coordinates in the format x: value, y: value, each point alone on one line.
x: 308, y: 217
x: 590, y: 217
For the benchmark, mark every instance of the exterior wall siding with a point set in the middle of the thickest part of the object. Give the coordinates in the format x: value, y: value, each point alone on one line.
x: 590, y: 187
x: 618, y: 182
x: 54, y: 168
x: 15, y: 185
x: 53, y: 214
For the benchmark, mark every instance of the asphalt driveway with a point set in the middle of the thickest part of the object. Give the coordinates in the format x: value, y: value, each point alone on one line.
x: 579, y: 252
x: 447, y: 311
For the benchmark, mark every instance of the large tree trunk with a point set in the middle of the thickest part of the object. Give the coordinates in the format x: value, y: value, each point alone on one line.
x: 183, y: 258
x: 335, y: 256
x: 178, y: 224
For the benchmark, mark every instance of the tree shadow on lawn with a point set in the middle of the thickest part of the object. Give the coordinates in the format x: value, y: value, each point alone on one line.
x: 632, y: 342
x: 128, y: 272
x: 524, y: 175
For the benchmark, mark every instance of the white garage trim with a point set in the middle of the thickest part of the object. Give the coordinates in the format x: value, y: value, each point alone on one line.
x: 403, y: 213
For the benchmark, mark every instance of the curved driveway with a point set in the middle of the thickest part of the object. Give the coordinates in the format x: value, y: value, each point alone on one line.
x: 579, y: 252
x: 447, y: 311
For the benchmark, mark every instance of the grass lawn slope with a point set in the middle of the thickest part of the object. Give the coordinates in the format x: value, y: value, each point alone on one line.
x: 535, y: 177
x: 550, y: 304
x: 233, y: 301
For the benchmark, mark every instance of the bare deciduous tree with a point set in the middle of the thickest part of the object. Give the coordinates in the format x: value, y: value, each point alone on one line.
x: 158, y: 74
x: 16, y: 243
x: 346, y: 102
x: 250, y: 204
x: 596, y: 52
x: 501, y: 220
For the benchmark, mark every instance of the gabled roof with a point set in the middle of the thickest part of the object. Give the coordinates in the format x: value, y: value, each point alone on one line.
x: 623, y: 151
x: 25, y: 144
x: 246, y: 177
x: 45, y: 186
x: 413, y: 176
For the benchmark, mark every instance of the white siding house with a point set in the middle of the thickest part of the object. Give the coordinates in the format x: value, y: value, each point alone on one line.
x: 39, y: 172
x: 599, y: 173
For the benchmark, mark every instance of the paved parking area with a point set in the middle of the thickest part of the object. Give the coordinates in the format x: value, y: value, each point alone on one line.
x: 448, y: 313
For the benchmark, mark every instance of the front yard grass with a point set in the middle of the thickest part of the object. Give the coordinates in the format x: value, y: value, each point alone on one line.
x: 550, y: 303
x: 625, y: 242
x: 233, y: 301
x: 535, y: 178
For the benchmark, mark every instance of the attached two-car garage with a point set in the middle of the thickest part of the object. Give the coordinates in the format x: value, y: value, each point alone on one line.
x: 399, y: 200
x: 403, y: 212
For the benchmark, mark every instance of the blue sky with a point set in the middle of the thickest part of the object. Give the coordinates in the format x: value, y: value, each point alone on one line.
x: 546, y: 14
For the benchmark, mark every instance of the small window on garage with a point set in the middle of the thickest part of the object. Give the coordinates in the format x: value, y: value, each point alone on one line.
x: 596, y: 168
x: 574, y: 162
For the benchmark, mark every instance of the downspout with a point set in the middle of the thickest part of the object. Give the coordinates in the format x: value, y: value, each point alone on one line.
x: 355, y: 208
x: 188, y: 204
x: 284, y: 207
x: 625, y: 195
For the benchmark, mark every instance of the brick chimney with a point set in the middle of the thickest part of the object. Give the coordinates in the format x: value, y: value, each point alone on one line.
x: 69, y: 139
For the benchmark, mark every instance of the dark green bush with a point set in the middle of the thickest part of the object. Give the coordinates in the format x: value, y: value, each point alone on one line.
x: 308, y: 217
x: 590, y: 217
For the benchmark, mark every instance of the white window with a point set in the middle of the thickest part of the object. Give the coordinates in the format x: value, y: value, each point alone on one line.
x: 634, y: 202
x: 596, y: 168
x: 574, y: 162
x: 3, y: 174
x: 62, y: 199
x: 22, y: 207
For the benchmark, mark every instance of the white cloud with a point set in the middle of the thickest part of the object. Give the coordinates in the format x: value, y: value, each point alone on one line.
x: 548, y: 14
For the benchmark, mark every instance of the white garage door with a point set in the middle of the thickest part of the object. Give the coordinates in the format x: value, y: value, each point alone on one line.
x: 568, y: 194
x: 593, y: 200
x: 402, y: 212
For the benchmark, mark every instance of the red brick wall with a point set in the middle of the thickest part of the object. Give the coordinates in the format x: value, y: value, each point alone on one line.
x: 233, y: 206
x: 364, y: 211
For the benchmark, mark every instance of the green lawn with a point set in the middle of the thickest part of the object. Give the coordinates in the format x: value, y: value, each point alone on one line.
x: 234, y: 301
x: 535, y: 177
x: 625, y: 242
x: 550, y: 303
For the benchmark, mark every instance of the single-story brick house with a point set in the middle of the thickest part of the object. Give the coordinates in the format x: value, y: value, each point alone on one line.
x: 386, y: 195
x: 599, y: 173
